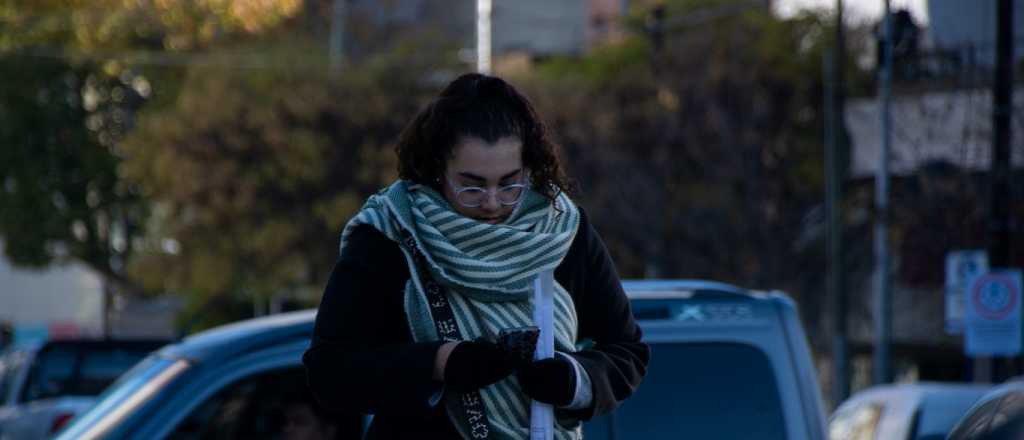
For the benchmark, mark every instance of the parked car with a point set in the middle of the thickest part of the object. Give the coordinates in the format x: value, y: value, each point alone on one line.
x: 919, y: 411
x: 727, y: 364
x: 43, y: 385
x: 232, y: 382
x: 998, y: 415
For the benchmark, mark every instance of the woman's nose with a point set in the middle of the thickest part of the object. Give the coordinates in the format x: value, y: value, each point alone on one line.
x: 490, y: 202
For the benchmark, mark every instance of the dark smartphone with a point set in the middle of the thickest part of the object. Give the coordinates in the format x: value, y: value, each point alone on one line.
x: 520, y: 341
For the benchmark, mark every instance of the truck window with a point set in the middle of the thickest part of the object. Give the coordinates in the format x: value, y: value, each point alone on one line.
x: 274, y: 404
x: 704, y: 390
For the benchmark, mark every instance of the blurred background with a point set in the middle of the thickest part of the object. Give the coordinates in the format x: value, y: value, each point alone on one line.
x: 171, y: 165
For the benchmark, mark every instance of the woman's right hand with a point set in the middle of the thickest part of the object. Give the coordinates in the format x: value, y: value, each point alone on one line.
x: 472, y: 365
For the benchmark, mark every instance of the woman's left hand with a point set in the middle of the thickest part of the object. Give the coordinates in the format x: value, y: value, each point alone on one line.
x: 551, y: 380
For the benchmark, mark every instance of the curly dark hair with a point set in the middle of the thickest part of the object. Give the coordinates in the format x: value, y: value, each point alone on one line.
x: 485, y: 107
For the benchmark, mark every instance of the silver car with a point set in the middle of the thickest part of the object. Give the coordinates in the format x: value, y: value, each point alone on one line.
x: 43, y: 385
x: 919, y: 411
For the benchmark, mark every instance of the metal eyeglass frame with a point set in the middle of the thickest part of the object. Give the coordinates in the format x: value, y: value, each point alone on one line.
x: 489, y: 192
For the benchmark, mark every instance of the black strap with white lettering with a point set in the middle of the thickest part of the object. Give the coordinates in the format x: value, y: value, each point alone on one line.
x: 472, y: 406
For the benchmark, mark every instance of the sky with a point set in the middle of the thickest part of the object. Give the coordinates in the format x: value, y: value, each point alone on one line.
x: 857, y: 10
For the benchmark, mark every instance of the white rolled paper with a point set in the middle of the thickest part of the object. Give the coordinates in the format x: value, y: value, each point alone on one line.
x: 542, y: 415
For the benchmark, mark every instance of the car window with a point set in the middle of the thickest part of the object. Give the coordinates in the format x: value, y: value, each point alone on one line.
x: 51, y: 375
x: 5, y: 379
x: 269, y: 405
x: 700, y: 390
x: 855, y: 423
x: 935, y: 417
x: 79, y: 370
x: 99, y: 368
x: 997, y: 419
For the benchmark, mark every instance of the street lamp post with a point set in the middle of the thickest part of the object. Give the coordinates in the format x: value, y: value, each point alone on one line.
x: 883, y: 294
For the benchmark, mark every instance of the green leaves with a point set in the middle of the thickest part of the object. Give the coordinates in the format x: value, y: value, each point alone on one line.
x: 235, y: 179
x: 98, y: 26
x: 702, y: 159
x: 257, y: 173
x: 61, y: 197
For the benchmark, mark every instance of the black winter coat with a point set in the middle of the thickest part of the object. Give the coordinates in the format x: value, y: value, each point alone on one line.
x: 362, y: 356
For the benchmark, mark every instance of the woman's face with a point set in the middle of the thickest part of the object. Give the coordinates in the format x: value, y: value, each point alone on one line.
x: 476, y: 162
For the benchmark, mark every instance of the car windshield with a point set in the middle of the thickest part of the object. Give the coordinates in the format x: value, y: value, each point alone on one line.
x: 700, y: 390
x: 126, y: 396
x: 937, y: 416
x: 75, y: 370
x: 999, y: 418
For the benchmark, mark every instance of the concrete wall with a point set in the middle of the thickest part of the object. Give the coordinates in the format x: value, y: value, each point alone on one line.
x: 67, y: 301
x: 540, y: 27
x: 61, y: 294
x: 954, y: 127
x: 957, y: 23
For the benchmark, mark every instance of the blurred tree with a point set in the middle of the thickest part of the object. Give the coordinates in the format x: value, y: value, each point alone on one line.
x: 75, y: 73
x: 61, y: 197
x: 242, y: 132
x: 703, y: 160
x: 101, y: 26
x: 254, y: 174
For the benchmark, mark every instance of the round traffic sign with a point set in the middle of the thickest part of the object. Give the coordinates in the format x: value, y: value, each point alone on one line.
x: 994, y: 296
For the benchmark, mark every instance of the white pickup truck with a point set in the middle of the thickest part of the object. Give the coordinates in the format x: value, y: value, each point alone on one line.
x: 43, y: 385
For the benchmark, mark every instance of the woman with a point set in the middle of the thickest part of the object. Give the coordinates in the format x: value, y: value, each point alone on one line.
x: 435, y: 266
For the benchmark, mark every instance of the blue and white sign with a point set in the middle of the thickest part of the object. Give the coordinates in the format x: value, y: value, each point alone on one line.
x: 993, y: 321
x: 961, y: 268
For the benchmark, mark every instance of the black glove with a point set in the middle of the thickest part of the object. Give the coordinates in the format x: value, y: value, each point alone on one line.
x: 551, y: 380
x: 475, y: 364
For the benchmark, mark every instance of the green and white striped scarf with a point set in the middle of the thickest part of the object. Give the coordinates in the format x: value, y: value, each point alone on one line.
x: 487, y: 272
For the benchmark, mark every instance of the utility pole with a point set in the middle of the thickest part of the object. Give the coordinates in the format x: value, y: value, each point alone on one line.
x: 336, y: 47
x: 484, y: 8
x: 883, y: 297
x: 834, y: 143
x: 999, y: 225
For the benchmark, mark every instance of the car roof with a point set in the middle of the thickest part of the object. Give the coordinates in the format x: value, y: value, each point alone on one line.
x: 933, y: 388
x: 919, y: 391
x: 698, y: 289
x: 642, y: 288
x: 240, y: 337
x: 1013, y: 385
x: 243, y: 336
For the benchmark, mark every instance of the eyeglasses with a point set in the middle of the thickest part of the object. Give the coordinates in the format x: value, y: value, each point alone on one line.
x: 474, y: 196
